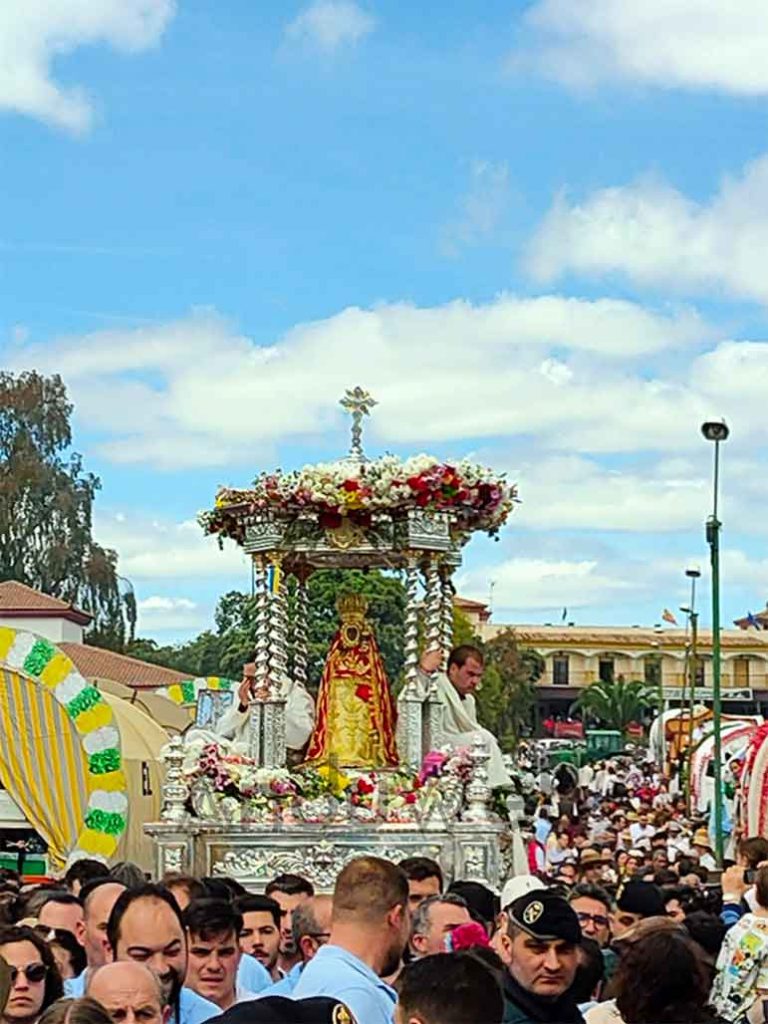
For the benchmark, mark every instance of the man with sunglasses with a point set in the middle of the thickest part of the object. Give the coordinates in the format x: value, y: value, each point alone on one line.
x: 592, y: 905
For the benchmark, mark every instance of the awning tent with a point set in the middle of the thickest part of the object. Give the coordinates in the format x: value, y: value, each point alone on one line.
x: 162, y: 710
x: 74, y: 759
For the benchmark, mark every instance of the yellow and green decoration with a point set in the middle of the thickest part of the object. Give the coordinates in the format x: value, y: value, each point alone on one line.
x: 187, y: 691
x: 41, y: 761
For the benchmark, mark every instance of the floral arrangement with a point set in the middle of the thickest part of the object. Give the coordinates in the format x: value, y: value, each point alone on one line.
x: 240, y: 788
x: 339, y: 491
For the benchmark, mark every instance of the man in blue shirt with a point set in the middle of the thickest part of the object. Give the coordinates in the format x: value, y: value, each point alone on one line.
x: 369, y: 933
x: 146, y: 926
x: 311, y: 927
x: 98, y: 897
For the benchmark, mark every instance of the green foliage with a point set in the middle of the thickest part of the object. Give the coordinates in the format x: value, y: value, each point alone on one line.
x: 46, y: 505
x: 198, y: 657
x: 386, y: 610
x: 232, y: 645
x: 616, y: 704
x: 508, y: 693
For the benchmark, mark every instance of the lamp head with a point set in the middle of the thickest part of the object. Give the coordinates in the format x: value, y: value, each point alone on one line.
x: 715, y: 430
x: 693, y: 572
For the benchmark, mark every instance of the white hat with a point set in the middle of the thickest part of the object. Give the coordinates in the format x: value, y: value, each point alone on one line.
x: 519, y: 886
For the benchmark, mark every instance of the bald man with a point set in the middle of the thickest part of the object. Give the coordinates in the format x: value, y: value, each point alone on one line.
x: 129, y: 992
x: 311, y: 925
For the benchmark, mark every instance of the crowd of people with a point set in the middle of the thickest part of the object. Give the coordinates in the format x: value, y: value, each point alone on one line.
x: 622, y: 919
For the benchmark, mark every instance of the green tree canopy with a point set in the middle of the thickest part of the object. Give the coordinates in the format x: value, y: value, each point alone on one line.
x: 46, y: 506
x: 616, y: 704
x: 226, y: 651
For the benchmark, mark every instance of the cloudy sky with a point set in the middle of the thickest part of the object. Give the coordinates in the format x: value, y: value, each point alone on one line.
x: 536, y: 231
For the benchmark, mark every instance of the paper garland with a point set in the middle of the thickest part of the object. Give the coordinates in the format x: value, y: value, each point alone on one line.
x: 187, y: 691
x: 106, y: 815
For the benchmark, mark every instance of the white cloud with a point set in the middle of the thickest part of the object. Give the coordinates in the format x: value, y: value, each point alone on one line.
x: 571, y: 492
x: 152, y: 549
x: 327, y: 25
x: 158, y: 614
x: 35, y: 33
x: 656, y: 236
x: 693, y: 44
x: 194, y: 392
x: 538, y: 583
x: 482, y: 208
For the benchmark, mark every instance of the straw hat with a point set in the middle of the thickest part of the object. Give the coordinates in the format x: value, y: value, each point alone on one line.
x: 701, y: 838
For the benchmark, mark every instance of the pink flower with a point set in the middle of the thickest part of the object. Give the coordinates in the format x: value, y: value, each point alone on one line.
x: 432, y: 765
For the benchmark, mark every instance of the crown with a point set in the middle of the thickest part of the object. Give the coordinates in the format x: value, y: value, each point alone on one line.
x: 352, y: 605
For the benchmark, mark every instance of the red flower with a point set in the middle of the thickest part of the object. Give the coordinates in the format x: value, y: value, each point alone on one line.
x: 410, y: 798
x: 330, y: 520
x: 365, y: 787
x: 351, y: 485
x: 364, y: 692
x: 422, y: 498
x: 416, y: 483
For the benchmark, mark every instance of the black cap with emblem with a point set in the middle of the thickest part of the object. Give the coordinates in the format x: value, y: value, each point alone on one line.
x: 546, y: 916
x: 282, y: 1010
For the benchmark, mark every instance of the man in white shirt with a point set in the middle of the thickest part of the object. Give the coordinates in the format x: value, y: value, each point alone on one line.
x: 299, y: 712
x: 641, y: 829
x: 456, y: 689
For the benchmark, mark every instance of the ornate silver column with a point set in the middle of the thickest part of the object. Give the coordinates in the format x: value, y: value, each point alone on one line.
x: 261, y: 656
x: 175, y: 791
x: 300, y: 629
x: 411, y: 631
x: 273, y: 750
x: 446, y: 610
x: 278, y: 641
x: 433, y: 711
x: 433, y: 626
x: 478, y: 792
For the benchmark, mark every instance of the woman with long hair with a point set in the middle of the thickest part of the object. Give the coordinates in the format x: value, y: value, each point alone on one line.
x: 661, y: 980
x: 35, y: 979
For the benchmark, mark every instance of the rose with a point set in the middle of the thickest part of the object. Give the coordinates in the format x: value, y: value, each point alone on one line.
x: 410, y: 798
x: 365, y: 787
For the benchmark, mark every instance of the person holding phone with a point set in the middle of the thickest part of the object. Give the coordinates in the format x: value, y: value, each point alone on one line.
x: 742, y: 966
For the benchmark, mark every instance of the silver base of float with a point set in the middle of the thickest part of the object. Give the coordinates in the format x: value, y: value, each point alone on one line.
x: 319, y: 837
x: 253, y: 854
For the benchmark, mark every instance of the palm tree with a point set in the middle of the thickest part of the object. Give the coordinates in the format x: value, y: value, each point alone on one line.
x: 616, y: 703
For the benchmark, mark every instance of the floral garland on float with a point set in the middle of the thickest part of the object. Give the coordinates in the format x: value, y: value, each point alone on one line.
x: 232, y: 787
x: 347, y: 492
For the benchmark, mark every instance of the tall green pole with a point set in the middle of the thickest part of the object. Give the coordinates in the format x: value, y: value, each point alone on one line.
x: 692, y: 675
x: 713, y: 539
x: 713, y: 529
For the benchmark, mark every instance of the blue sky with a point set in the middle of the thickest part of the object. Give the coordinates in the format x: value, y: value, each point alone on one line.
x: 537, y: 232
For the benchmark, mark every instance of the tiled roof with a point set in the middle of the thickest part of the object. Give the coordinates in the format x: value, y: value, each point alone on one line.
x: 96, y: 663
x: 17, y: 597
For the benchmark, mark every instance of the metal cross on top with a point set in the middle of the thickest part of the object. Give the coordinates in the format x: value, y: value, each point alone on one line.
x: 359, y: 403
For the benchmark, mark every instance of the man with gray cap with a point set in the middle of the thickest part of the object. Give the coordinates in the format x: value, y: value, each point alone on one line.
x: 541, y: 947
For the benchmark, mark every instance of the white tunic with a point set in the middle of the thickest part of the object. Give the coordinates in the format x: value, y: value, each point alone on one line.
x: 299, y: 720
x: 461, y: 727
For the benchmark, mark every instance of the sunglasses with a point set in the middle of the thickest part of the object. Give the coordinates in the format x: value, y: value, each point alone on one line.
x: 34, y: 973
x: 599, y: 919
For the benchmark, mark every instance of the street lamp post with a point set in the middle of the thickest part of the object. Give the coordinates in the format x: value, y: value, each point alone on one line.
x: 693, y: 573
x: 716, y: 431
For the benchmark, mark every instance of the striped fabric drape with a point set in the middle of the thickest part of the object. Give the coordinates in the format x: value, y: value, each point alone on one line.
x: 42, y: 764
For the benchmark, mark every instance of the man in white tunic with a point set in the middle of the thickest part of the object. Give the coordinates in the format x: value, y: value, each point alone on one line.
x: 456, y: 689
x: 299, y: 713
